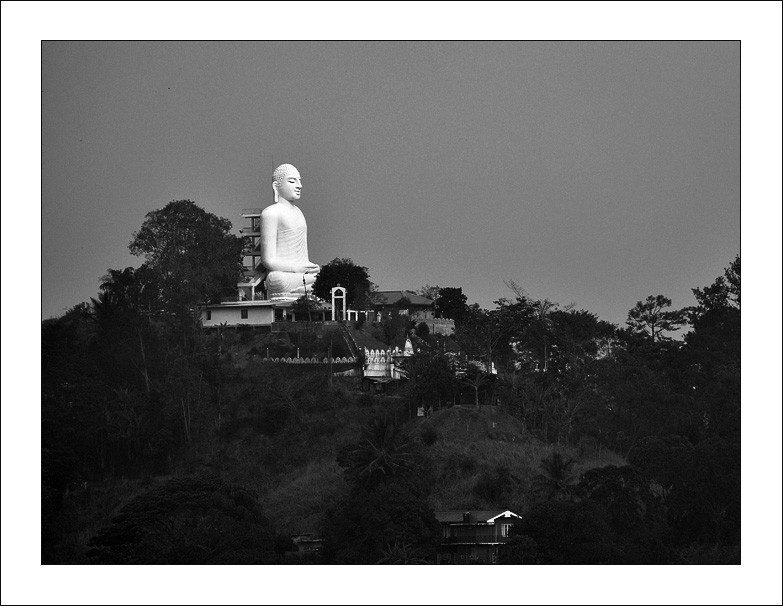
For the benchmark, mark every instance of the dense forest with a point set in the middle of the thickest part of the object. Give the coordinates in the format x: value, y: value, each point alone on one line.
x: 163, y: 442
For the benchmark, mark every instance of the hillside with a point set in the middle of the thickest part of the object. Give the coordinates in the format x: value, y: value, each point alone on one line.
x: 281, y: 433
x: 132, y: 404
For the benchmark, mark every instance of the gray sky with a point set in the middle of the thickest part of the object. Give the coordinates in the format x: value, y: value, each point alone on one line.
x: 593, y: 172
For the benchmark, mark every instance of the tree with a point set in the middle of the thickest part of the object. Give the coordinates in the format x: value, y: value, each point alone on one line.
x: 475, y: 379
x: 430, y: 292
x: 343, y: 272
x: 451, y: 303
x: 557, y: 477
x: 194, y: 257
x: 389, y: 524
x: 305, y: 305
x: 192, y: 520
x: 382, y: 453
x: 650, y: 319
x: 481, y: 331
x: 430, y: 377
x: 723, y: 293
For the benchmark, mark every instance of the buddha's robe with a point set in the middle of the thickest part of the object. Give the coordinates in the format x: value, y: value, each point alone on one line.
x: 291, y: 248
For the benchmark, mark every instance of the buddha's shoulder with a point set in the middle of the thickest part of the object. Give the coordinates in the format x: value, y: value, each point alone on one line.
x: 275, y: 210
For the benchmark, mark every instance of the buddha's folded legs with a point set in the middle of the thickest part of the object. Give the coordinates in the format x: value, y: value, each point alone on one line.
x: 288, y: 285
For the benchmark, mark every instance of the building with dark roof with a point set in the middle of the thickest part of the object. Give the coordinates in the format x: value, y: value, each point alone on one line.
x: 473, y: 537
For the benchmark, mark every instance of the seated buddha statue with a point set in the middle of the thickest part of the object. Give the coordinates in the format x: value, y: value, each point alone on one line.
x: 284, y: 239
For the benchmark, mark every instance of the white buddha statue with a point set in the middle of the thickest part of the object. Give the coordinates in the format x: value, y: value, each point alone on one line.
x: 284, y: 239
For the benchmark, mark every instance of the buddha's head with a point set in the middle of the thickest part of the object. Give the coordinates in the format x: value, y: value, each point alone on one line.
x: 287, y: 183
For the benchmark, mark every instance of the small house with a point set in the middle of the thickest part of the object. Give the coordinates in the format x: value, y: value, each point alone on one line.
x: 473, y: 537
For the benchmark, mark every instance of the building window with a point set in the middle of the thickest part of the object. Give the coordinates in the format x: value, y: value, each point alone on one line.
x: 243, y: 312
x: 279, y: 315
x: 209, y: 314
x: 505, y: 530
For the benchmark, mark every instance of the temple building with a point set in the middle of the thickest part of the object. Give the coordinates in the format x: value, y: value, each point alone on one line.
x: 252, y: 307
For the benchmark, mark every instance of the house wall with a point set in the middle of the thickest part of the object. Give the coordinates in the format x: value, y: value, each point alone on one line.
x: 467, y: 554
x: 256, y: 316
x: 499, y: 525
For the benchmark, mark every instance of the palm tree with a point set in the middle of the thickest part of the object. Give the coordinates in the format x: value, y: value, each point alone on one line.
x: 477, y: 381
x: 556, y: 480
x: 382, y: 452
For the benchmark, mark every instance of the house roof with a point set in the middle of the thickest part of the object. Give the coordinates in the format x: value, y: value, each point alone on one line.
x: 445, y: 517
x: 390, y: 297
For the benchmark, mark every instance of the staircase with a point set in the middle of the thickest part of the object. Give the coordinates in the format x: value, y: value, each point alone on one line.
x: 350, y: 341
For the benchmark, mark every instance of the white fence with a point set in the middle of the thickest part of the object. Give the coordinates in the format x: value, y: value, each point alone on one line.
x: 313, y: 360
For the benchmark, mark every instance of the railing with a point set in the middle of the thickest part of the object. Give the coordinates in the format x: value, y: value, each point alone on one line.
x: 350, y: 341
x: 239, y: 300
x: 476, y: 538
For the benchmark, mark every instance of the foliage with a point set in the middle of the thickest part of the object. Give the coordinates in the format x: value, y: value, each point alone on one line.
x: 520, y: 549
x: 128, y: 393
x: 650, y: 319
x: 724, y: 292
x: 343, y: 272
x: 365, y: 528
x: 429, y: 435
x: 396, y: 329
x: 306, y: 305
x: 476, y: 379
x: 616, y: 519
x: 193, y: 520
x: 556, y: 479
x: 422, y: 330
x: 191, y: 253
x: 382, y: 453
x: 495, y: 485
x: 451, y: 303
x: 430, y: 378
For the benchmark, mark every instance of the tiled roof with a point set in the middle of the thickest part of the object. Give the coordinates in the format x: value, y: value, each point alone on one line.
x: 390, y: 297
x: 456, y: 516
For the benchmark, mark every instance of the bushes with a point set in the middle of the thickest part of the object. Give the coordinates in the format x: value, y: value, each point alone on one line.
x: 193, y: 520
x: 429, y: 435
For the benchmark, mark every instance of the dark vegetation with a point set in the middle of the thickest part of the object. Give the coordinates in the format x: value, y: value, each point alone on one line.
x: 165, y: 443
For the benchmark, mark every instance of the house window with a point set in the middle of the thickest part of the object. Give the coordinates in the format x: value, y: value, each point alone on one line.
x: 279, y: 315
x: 209, y: 314
x: 505, y: 530
x: 243, y: 313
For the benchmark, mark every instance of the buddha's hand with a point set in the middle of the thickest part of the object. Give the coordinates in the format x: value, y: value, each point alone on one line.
x: 310, y: 268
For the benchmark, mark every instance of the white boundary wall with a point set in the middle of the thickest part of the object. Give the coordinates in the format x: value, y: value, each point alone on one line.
x: 232, y: 315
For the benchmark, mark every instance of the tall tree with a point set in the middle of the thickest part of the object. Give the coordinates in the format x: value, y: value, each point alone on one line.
x: 431, y: 292
x: 188, y: 520
x: 651, y: 318
x: 451, y: 303
x: 343, y: 272
x: 724, y: 292
x: 192, y: 253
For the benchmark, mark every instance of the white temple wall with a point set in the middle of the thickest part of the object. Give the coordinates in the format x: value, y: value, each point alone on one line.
x: 256, y: 316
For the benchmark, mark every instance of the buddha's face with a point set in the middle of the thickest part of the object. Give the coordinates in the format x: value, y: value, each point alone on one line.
x: 290, y: 186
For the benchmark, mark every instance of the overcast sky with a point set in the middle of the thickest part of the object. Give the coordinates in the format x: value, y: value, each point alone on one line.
x: 588, y: 172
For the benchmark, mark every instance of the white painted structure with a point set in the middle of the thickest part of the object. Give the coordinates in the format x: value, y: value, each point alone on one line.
x: 338, y: 293
x: 380, y: 363
x: 246, y: 313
